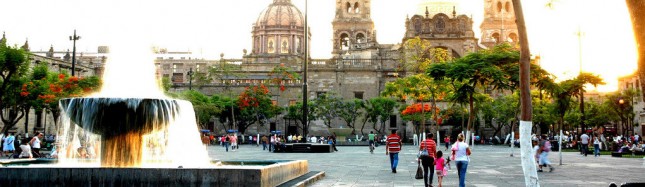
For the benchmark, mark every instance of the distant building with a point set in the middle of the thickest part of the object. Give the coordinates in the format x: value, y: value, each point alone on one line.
x: 633, y: 82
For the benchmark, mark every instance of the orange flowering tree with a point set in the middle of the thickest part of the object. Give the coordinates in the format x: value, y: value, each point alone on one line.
x: 255, y: 106
x: 44, y: 89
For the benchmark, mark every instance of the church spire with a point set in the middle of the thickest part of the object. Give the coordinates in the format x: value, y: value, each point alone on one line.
x: 26, y: 45
x: 3, y: 40
x: 50, y: 53
x: 281, y: 1
x: 454, y: 13
x: 427, y: 12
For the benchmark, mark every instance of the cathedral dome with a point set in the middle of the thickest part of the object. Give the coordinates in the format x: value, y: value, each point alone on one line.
x: 280, y: 13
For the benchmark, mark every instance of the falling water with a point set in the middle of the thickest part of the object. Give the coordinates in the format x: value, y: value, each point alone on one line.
x: 129, y: 123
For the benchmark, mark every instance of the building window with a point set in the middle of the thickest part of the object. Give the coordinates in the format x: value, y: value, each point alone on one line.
x: 358, y: 95
x: 274, y: 102
x: 292, y: 102
x: 174, y: 68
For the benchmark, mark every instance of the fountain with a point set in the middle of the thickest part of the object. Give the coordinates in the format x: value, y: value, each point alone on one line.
x: 140, y: 139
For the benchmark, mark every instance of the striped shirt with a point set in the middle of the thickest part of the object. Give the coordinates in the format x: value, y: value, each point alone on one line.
x: 429, y: 145
x: 393, y: 143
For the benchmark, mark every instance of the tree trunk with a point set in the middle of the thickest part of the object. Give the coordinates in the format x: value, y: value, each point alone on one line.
x: 637, y: 10
x: 528, y: 159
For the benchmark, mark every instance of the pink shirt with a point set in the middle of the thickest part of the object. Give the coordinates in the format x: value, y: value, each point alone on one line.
x: 439, y: 164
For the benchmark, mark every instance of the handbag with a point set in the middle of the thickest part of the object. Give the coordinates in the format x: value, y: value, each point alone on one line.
x: 422, y: 153
x: 419, y: 174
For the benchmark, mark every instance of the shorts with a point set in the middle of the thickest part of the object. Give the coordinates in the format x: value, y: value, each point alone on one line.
x: 442, y: 173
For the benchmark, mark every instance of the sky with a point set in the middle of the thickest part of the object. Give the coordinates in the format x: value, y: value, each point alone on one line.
x: 210, y: 27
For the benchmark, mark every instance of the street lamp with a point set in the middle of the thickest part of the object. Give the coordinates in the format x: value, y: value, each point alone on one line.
x: 304, y: 77
x: 190, y: 79
x: 74, y: 38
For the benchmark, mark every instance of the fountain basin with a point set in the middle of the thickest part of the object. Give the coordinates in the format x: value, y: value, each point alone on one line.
x: 232, y: 173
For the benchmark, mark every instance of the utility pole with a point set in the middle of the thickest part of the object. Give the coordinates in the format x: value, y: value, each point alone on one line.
x: 74, y: 38
x: 304, y: 83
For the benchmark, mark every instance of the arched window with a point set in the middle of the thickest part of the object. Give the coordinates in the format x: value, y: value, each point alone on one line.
x: 356, y: 9
x: 508, y: 7
x: 495, y: 37
x: 513, y: 38
x: 360, y: 38
x: 499, y: 6
x: 344, y: 41
x: 349, y: 7
x: 440, y: 25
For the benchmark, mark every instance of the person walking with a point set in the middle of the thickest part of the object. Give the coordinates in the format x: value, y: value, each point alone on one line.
x: 596, y: 146
x: 333, y: 141
x: 227, y: 139
x: 460, y: 152
x: 440, y: 167
x: 265, y: 141
x: 8, y: 146
x: 35, y: 144
x: 446, y: 141
x: 545, y: 148
x: 233, y: 140
x: 392, y: 148
x: 427, y: 158
x: 584, y: 142
x: 370, y: 138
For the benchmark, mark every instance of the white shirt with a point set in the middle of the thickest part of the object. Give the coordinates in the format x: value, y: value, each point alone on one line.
x: 36, y: 143
x: 584, y: 139
x: 460, y: 153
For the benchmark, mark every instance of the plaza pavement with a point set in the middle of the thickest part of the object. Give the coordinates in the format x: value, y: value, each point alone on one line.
x: 490, y: 166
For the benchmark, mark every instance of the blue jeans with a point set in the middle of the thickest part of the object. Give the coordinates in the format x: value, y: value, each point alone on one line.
x: 596, y: 149
x: 226, y: 145
x: 461, y: 171
x: 394, y: 160
x: 264, y: 145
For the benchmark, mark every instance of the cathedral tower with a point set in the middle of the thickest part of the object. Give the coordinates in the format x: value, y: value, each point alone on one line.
x: 279, y: 31
x: 353, y: 26
x: 499, y: 23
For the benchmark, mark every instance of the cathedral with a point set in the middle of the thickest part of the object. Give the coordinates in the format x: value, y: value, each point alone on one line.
x: 360, y: 65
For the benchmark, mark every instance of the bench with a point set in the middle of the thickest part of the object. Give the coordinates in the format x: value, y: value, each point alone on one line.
x: 617, y: 154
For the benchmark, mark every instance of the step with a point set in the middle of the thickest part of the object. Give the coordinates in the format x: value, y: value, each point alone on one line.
x: 304, y: 180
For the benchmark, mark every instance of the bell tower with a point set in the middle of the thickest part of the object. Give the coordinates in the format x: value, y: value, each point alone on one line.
x: 499, y: 23
x: 353, y: 26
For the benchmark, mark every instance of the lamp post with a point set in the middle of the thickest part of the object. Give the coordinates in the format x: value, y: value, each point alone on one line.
x: 74, y: 38
x: 190, y: 79
x: 621, y: 104
x: 304, y: 82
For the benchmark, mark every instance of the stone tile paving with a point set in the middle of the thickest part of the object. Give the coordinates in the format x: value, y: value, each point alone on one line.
x: 490, y: 166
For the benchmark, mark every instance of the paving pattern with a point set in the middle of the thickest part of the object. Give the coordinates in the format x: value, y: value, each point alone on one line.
x: 490, y: 166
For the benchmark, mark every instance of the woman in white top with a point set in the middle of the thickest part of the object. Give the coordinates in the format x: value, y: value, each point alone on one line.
x: 26, y: 150
x: 596, y: 146
x: 460, y: 152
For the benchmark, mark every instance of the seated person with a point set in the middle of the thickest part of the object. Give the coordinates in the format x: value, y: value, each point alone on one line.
x: 624, y: 149
x: 636, y: 148
x: 26, y: 150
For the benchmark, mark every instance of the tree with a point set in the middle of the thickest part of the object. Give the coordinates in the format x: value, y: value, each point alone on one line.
x: 13, y: 69
x: 637, y: 11
x: 255, y: 105
x: 295, y: 112
x: 43, y: 89
x: 205, y: 108
x: 621, y: 105
x: 476, y: 70
x: 327, y: 108
x: 377, y: 110
x: 225, y: 72
x: 281, y: 75
x: 350, y: 111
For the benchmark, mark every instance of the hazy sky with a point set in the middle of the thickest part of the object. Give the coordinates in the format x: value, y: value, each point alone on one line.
x: 211, y: 27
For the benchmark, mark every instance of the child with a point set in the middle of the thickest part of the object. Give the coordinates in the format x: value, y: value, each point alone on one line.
x: 440, y: 167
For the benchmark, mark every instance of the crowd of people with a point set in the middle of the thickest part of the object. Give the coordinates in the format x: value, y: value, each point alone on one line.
x: 19, y: 147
